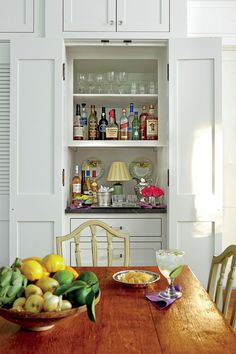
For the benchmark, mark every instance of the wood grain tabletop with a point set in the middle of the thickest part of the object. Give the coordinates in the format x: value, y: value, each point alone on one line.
x: 128, y: 323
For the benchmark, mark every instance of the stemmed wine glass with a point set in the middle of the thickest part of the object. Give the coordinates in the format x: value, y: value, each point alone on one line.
x: 170, y: 263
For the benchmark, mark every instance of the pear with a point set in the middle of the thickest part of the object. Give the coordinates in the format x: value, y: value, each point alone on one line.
x: 47, y: 284
x: 19, y: 302
x: 32, y: 289
x: 34, y: 303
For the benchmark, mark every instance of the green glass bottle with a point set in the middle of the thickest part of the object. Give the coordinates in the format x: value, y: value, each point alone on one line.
x: 136, y: 127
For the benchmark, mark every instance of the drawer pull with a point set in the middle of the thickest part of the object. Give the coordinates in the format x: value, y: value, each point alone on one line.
x: 121, y: 255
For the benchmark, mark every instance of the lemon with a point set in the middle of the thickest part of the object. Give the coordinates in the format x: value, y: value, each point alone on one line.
x: 32, y: 270
x: 53, y: 263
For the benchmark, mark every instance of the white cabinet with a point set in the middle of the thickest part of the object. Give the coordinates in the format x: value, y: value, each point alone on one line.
x: 147, y: 234
x: 116, y: 15
x: 16, y: 16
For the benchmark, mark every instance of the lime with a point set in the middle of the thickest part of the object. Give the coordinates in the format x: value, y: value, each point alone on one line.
x: 91, y: 279
x: 63, y: 277
x: 175, y: 272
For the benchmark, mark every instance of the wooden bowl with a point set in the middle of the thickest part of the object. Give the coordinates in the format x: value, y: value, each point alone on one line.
x: 44, y: 320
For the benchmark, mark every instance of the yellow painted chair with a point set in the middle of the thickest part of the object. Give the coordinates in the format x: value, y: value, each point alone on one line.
x: 94, y: 225
x: 216, y: 281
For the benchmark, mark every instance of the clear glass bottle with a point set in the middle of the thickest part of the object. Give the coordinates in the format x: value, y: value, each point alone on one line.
x: 136, y: 127
x: 103, y: 123
x: 75, y: 185
x: 142, y: 119
x: 92, y: 124
x: 84, y: 121
x: 130, y: 120
x: 112, y: 129
x: 151, y: 124
x: 123, y: 125
x: 77, y: 127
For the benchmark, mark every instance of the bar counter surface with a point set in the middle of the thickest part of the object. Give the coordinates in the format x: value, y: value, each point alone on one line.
x: 127, y: 323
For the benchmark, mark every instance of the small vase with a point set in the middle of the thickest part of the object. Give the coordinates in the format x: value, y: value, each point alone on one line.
x: 152, y: 200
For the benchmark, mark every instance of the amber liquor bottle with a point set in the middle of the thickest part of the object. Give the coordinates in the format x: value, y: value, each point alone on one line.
x: 151, y: 124
x: 112, y: 129
x: 142, y: 119
x: 124, y: 125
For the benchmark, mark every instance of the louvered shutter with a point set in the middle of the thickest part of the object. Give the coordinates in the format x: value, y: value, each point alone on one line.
x: 4, y: 127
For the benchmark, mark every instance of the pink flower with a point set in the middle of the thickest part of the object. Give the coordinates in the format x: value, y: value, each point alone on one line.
x: 152, y: 191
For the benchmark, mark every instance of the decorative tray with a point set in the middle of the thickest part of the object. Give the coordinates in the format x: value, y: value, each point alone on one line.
x: 141, y: 167
x: 92, y: 163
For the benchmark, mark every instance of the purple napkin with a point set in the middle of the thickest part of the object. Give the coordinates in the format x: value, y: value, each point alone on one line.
x: 158, y: 301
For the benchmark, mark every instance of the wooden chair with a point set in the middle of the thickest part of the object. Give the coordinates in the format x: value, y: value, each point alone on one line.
x: 216, y: 278
x: 94, y: 225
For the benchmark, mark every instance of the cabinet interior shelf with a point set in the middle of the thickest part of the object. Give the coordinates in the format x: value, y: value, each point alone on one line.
x: 116, y: 99
x: 116, y: 143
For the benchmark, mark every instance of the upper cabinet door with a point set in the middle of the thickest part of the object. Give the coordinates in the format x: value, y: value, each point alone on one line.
x: 143, y: 15
x: 90, y: 15
x: 195, y: 150
x: 16, y: 15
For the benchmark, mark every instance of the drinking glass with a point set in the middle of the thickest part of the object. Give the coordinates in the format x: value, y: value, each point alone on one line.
x: 170, y: 265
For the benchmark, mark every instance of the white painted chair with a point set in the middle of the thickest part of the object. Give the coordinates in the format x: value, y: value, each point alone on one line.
x: 216, y: 281
x: 94, y: 225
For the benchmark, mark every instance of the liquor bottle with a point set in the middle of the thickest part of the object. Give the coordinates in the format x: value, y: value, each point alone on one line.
x: 77, y: 127
x: 92, y: 124
x: 83, y: 182
x: 112, y: 129
x: 142, y: 119
x: 136, y: 127
x: 123, y: 125
x: 84, y: 121
x: 94, y: 186
x: 151, y: 124
x: 87, y: 181
x: 130, y: 120
x: 76, y: 184
x: 102, y: 125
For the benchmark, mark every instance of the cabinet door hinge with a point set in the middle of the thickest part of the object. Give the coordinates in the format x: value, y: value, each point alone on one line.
x: 63, y: 177
x: 168, y: 178
x: 63, y: 71
x: 167, y: 72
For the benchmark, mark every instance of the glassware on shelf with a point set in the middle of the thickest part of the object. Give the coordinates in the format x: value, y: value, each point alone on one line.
x: 152, y: 88
x: 133, y: 88
x: 170, y: 264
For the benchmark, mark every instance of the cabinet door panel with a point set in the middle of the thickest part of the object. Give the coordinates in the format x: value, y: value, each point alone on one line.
x: 195, y: 189
x: 89, y: 15
x: 143, y: 254
x: 16, y: 15
x: 36, y: 136
x: 142, y: 15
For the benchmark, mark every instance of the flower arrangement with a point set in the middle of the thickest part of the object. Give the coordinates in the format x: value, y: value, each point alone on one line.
x: 152, y: 191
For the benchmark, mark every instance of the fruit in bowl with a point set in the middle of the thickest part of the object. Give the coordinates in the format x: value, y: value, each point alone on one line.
x: 39, y: 304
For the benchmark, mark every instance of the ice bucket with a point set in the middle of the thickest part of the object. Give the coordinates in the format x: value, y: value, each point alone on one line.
x: 104, y: 198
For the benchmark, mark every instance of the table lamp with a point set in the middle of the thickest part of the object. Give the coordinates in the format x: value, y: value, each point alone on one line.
x: 118, y: 172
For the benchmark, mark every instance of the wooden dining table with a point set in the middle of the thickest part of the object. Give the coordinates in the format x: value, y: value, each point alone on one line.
x: 128, y: 323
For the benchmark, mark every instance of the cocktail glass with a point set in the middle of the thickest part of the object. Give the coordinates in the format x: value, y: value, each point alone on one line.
x: 170, y: 264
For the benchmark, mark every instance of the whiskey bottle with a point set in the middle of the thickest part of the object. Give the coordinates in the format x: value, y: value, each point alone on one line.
x: 130, y: 120
x: 102, y: 125
x: 142, y: 119
x: 151, y: 124
x: 112, y: 129
x: 135, y: 127
x: 123, y: 125
x: 77, y: 127
x: 94, y: 186
x: 76, y: 185
x: 92, y: 124
x: 84, y: 121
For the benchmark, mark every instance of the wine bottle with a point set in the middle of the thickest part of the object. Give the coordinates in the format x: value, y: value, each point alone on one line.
x: 102, y: 125
x: 76, y: 184
x: 135, y: 127
x: 92, y: 124
x: 77, y: 127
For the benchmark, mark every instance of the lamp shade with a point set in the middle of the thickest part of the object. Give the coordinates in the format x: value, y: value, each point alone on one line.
x: 118, y: 172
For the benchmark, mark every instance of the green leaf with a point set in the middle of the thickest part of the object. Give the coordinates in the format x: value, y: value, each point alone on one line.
x: 67, y: 288
x: 175, y: 272
x: 90, y: 303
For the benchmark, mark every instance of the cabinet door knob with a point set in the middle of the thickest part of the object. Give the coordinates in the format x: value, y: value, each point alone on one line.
x: 111, y: 22
x: 120, y: 22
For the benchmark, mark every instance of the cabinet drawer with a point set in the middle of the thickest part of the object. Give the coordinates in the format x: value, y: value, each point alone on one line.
x: 137, y: 227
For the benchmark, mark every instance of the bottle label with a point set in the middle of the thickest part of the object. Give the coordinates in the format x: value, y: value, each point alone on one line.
x: 151, y: 125
x: 102, y: 128
x: 112, y: 133
x: 78, y: 133
x: 76, y: 188
x: 84, y: 121
x: 92, y: 130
